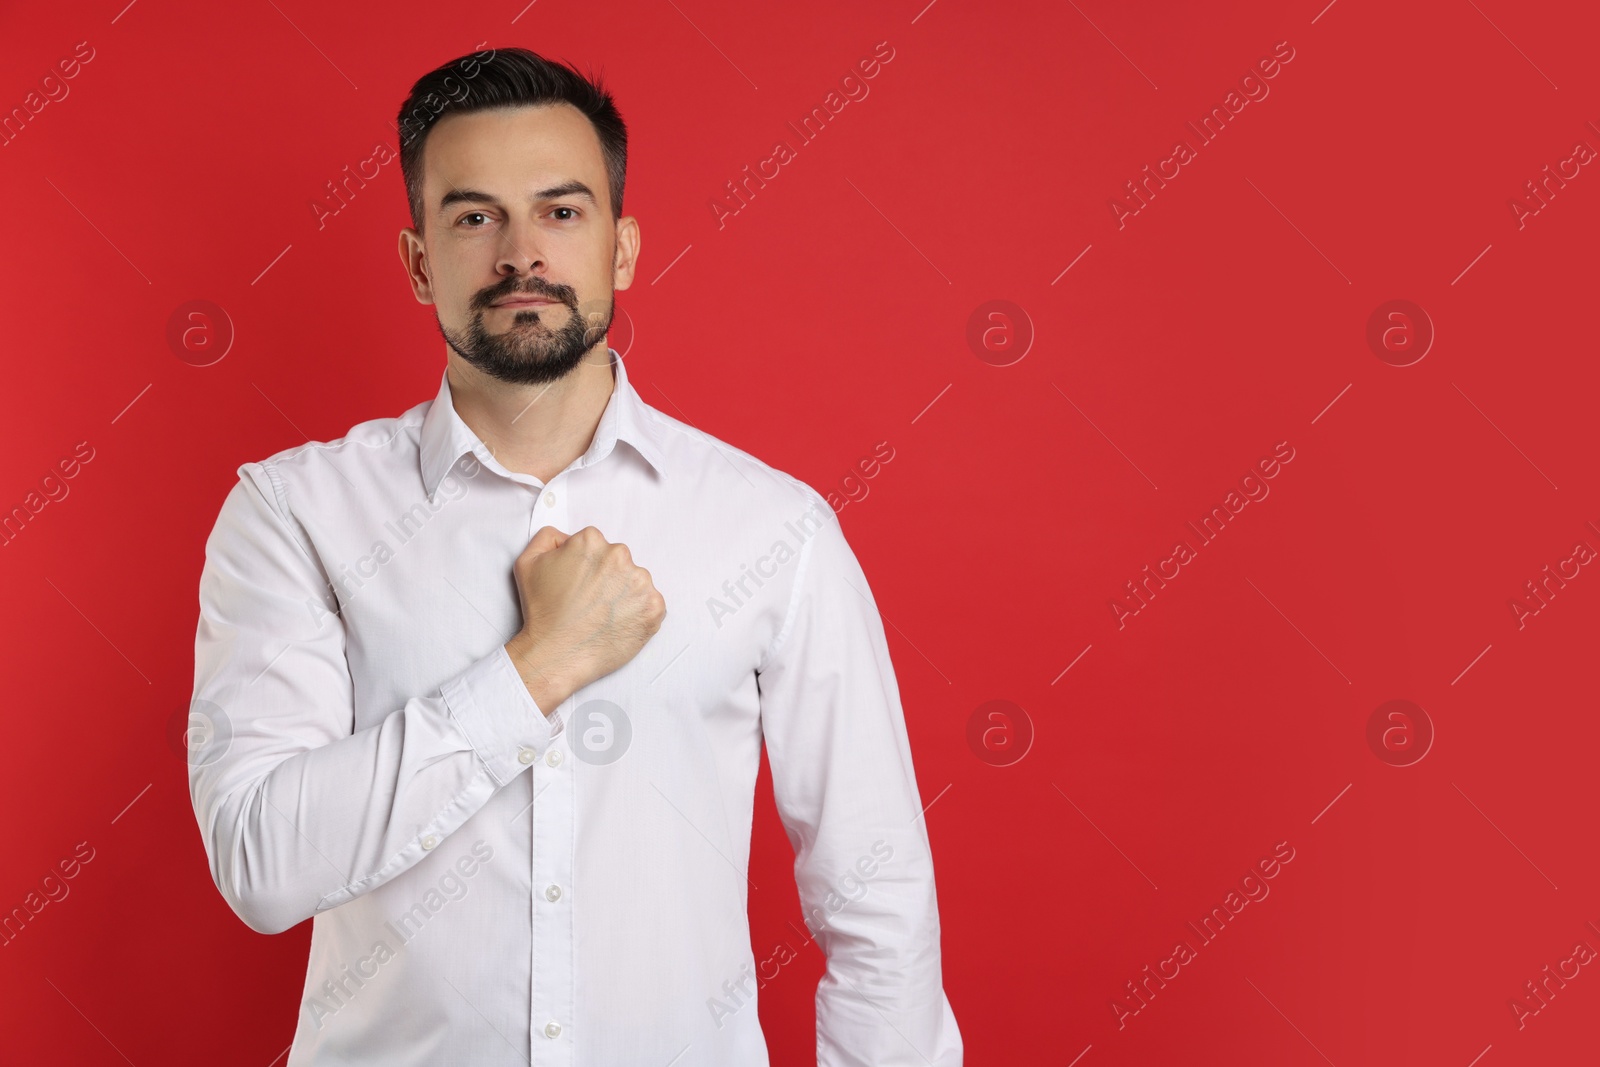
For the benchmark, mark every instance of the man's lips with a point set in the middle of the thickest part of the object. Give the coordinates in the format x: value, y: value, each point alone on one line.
x: 522, y: 302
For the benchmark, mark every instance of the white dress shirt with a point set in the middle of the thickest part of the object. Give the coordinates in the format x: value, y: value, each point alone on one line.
x: 488, y: 886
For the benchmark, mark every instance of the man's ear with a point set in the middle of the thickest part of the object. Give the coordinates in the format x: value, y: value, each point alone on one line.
x: 414, y: 258
x: 625, y: 259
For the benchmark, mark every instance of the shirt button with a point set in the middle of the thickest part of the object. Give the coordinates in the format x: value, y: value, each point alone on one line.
x: 553, y: 757
x: 553, y: 893
x: 429, y: 841
x: 550, y: 502
x: 526, y: 756
x: 552, y: 1029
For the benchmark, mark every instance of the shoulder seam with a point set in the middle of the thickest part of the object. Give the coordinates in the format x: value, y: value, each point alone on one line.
x: 697, y: 435
x: 788, y: 616
x: 700, y: 436
x: 280, y: 494
x: 801, y: 571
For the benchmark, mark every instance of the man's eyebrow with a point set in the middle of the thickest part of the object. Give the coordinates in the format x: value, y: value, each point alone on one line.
x: 466, y: 196
x: 474, y: 196
x: 568, y: 188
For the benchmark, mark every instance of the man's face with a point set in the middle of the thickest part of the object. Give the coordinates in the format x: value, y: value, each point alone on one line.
x: 520, y: 255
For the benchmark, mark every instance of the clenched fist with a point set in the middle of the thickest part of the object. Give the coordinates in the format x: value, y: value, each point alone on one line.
x: 586, y: 610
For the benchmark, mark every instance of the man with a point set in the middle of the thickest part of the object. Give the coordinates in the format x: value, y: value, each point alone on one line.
x: 482, y: 689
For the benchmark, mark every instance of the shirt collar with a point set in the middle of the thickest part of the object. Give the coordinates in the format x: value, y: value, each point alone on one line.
x: 446, y: 438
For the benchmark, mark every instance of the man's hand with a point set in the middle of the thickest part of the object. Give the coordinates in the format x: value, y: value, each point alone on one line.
x: 586, y: 610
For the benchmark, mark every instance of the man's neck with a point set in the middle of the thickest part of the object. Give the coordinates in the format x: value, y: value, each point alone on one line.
x: 536, y: 429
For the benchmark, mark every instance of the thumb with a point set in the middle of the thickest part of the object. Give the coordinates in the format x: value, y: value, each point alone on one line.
x: 546, y: 539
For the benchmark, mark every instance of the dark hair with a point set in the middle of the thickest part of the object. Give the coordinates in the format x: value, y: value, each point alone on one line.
x: 505, y: 78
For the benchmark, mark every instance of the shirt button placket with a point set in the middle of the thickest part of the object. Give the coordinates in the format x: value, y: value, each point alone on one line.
x: 553, y: 828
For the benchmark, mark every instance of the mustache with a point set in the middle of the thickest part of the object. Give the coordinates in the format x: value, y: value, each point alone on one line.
x: 532, y: 287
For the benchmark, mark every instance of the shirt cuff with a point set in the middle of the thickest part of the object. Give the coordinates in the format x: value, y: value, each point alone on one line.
x: 492, y: 706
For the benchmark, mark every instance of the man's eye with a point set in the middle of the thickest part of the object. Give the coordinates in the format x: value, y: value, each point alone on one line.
x: 471, y: 215
x: 573, y: 210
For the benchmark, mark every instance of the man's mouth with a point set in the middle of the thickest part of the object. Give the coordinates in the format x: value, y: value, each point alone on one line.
x: 523, y: 302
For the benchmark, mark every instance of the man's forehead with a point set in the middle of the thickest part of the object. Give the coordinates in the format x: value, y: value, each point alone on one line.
x: 556, y: 135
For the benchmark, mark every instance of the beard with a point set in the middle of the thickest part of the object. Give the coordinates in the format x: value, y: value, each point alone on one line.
x: 530, y: 351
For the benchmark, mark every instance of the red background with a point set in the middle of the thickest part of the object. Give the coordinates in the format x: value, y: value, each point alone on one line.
x: 829, y: 314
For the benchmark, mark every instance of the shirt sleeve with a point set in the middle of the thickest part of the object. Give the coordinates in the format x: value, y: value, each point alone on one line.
x: 300, y: 812
x: 847, y: 794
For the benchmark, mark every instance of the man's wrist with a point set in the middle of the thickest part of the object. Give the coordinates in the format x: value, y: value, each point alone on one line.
x: 545, y: 686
